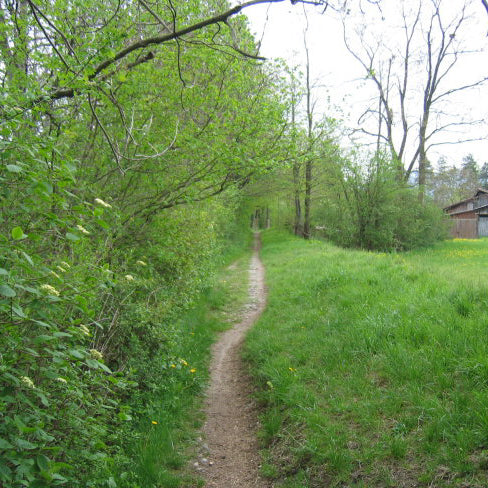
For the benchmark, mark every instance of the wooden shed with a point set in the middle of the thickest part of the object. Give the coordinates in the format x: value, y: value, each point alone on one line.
x: 470, y: 216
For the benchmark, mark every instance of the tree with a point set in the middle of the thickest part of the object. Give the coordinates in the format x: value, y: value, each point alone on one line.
x: 431, y: 49
x: 310, y: 141
x: 117, y: 126
x: 483, y: 176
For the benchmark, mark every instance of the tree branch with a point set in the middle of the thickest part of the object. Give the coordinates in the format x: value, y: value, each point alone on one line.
x: 157, y: 40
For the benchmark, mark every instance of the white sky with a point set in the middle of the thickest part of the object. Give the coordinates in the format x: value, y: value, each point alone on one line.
x: 281, y: 27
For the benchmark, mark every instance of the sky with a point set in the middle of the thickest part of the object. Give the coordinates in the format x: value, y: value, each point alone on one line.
x: 343, y: 90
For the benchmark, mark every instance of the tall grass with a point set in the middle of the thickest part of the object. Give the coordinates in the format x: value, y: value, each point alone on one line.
x: 373, y: 368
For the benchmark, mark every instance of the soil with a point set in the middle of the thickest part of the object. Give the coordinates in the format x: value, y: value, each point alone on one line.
x: 229, y: 456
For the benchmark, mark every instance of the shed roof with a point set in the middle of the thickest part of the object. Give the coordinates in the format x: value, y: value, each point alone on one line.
x: 453, y: 205
x: 473, y: 210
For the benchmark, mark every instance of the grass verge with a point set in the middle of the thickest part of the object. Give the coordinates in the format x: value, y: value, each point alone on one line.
x: 373, y: 368
x: 160, y: 451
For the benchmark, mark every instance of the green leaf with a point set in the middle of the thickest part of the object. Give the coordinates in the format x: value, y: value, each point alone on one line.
x: 13, y: 168
x: 91, y: 363
x: 18, y: 311
x: 27, y: 258
x: 5, y: 444
x: 6, y: 291
x: 23, y: 444
x: 42, y: 324
x: 5, y: 471
x: 124, y: 416
x: 76, y: 354
x: 42, y: 462
x: 3, y: 271
x: 104, y: 367
x: 18, y: 233
x: 43, y: 398
x: 103, y: 224
x: 72, y: 237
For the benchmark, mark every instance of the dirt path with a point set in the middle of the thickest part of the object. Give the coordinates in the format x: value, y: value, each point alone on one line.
x: 230, y: 429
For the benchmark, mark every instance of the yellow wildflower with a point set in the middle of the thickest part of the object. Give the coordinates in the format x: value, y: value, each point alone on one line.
x: 142, y: 263
x: 193, y: 370
x: 173, y: 366
x: 65, y: 264
x: 61, y: 380
x: 129, y: 277
x: 154, y: 422
x: 183, y: 362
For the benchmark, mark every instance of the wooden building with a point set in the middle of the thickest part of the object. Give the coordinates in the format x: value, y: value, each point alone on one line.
x: 470, y: 216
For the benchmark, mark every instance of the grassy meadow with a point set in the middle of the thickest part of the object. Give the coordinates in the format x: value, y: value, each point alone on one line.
x: 373, y: 368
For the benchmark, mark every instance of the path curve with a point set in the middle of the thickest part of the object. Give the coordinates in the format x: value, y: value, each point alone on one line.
x: 231, y: 425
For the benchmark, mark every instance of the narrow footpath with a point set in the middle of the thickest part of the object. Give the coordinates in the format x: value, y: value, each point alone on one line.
x: 230, y: 429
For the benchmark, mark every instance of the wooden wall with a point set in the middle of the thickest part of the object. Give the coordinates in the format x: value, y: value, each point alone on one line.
x: 465, y: 228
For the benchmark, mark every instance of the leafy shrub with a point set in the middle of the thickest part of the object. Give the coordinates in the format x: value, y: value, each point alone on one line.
x: 374, y: 211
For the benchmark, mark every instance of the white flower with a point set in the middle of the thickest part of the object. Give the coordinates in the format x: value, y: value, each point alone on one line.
x: 56, y: 275
x: 129, y: 277
x: 82, y: 229
x: 102, y: 203
x: 96, y: 354
x: 85, y: 329
x: 61, y: 380
x: 60, y: 268
x: 142, y: 263
x: 65, y: 264
x: 50, y: 290
x: 27, y: 381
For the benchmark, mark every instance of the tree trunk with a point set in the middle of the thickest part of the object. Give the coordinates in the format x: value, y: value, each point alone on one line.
x: 297, y: 225
x: 308, y: 194
x: 423, y: 156
x: 308, y: 164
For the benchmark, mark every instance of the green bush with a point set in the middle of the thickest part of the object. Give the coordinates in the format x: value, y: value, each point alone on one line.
x: 88, y: 329
x: 372, y: 210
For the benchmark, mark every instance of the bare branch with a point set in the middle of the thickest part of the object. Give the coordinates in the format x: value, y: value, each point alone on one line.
x: 485, y: 4
x: 236, y: 47
x: 47, y: 36
x: 460, y: 88
x: 105, y: 133
x: 156, y: 16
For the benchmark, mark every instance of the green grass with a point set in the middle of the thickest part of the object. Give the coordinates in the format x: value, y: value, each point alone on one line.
x: 160, y: 452
x: 373, y: 368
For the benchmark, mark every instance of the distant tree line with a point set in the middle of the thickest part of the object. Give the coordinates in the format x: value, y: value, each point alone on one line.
x: 447, y: 184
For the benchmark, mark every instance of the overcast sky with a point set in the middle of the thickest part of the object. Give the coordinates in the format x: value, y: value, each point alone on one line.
x: 281, y: 28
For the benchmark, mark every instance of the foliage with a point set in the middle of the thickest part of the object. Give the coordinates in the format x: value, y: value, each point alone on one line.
x: 369, y: 208
x: 450, y: 184
x: 372, y: 366
x: 108, y: 231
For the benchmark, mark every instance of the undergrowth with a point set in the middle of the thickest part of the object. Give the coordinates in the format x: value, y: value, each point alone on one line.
x: 159, y: 452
